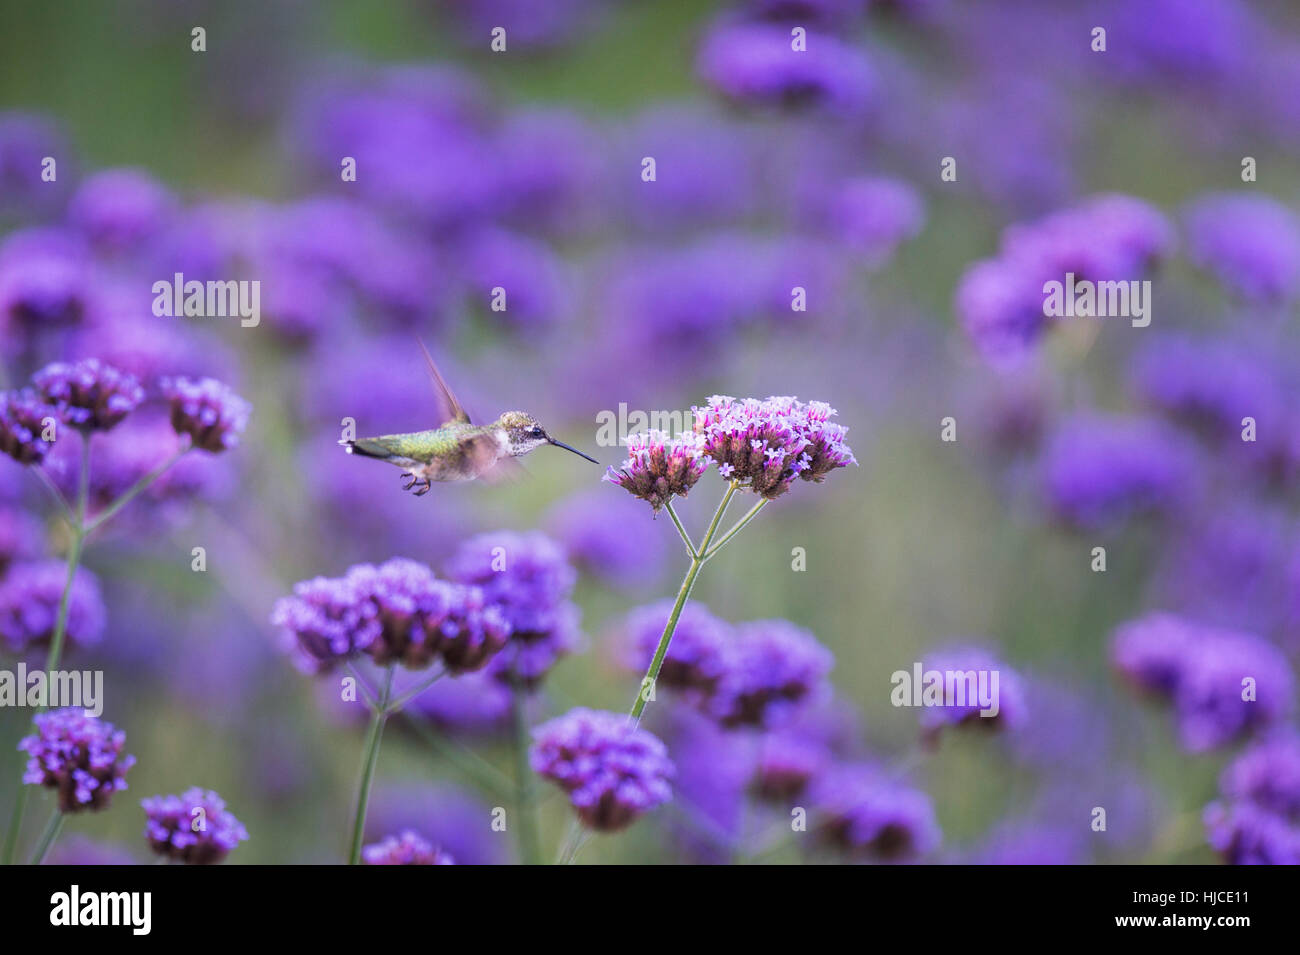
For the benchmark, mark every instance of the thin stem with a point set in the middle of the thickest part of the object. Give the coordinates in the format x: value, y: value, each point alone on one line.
x: 400, y: 701
x: 465, y: 760
x: 55, y: 652
x: 677, y: 522
x: 52, y: 830
x: 736, y: 529
x: 684, y: 592
x: 134, y: 491
x: 65, y: 508
x: 529, y: 848
x: 370, y: 759
x: 573, y: 842
x: 363, y: 686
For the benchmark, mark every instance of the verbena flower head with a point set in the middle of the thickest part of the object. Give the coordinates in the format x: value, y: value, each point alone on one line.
x: 1223, y: 683
x: 1250, y: 243
x: 788, y: 761
x: 120, y: 209
x: 327, y: 620
x: 77, y: 755
x: 45, y: 280
x: 755, y: 64
x: 30, y: 595
x: 861, y: 810
x: 529, y: 579
x: 1101, y: 470
x: 765, y: 444
x: 397, y: 612
x: 407, y: 849
x: 613, y: 771
x: 771, y: 669
x: 965, y: 709
x: 1268, y: 774
x: 22, y: 422
x: 208, y: 411
x: 194, y: 827
x: 697, y: 655
x: 1244, y: 833
x: 89, y: 394
x: 659, y: 468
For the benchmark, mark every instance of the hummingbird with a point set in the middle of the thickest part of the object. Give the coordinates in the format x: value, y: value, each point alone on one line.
x: 458, y: 449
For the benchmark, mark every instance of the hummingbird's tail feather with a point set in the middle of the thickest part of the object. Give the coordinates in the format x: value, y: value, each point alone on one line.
x: 367, y: 448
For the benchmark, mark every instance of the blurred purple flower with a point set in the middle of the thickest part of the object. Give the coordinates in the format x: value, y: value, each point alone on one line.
x: 45, y: 280
x: 77, y: 755
x: 1250, y: 243
x: 871, y: 217
x: 531, y: 275
x: 964, y: 661
x: 208, y: 411
x: 697, y: 655
x: 194, y: 828
x: 552, y: 171
x: 1247, y: 834
x: 860, y: 810
x: 79, y: 850
x: 444, y: 816
x: 30, y: 594
x: 1101, y: 470
x: 1267, y: 773
x: 469, y: 703
x: 26, y: 139
x: 757, y: 65
x: 407, y: 849
x: 21, y: 536
x: 612, y: 771
x: 120, y: 210
x: 529, y: 579
x: 89, y: 394
x: 772, y: 669
x: 22, y: 422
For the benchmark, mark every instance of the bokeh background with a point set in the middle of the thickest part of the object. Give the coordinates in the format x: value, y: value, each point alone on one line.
x: 523, y: 169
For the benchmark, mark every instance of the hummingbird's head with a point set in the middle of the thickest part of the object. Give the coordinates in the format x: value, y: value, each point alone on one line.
x: 523, y: 434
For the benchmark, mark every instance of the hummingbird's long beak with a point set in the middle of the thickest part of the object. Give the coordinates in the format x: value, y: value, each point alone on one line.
x: 561, y: 444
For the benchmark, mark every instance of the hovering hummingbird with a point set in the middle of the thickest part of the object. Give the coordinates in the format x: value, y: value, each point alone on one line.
x: 456, y: 450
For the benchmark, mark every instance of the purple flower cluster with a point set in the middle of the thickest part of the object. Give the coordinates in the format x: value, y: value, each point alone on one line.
x: 77, y: 755
x: 528, y: 578
x: 764, y: 445
x: 22, y: 424
x: 121, y: 209
x: 612, y: 770
x: 407, y: 849
x: 195, y: 827
x: 862, y: 811
x: 397, y: 612
x: 1258, y: 820
x: 90, y: 394
x: 30, y: 594
x: 1223, y: 683
x: 1250, y: 243
x: 755, y: 674
x: 659, y: 467
x: 1103, y: 470
x: 968, y: 663
x: 1107, y: 238
x: 208, y: 411
x: 756, y: 64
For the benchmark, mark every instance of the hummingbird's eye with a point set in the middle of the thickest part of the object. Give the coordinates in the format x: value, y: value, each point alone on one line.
x: 535, y: 431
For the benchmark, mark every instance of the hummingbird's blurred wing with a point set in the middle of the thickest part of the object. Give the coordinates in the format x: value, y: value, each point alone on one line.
x: 489, y: 464
x: 448, y: 407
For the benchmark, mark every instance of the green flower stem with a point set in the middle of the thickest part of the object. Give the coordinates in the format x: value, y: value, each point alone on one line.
x: 484, y: 774
x: 139, y: 487
x: 688, y: 583
x: 739, y: 525
x: 370, y: 759
x: 677, y: 522
x: 530, y: 851
x: 55, y: 652
x: 52, y: 830
x: 400, y: 701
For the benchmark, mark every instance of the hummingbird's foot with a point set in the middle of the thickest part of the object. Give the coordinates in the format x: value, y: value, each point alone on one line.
x: 411, y: 483
x: 424, y: 490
